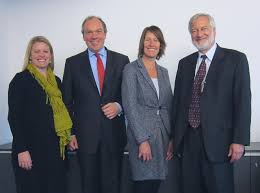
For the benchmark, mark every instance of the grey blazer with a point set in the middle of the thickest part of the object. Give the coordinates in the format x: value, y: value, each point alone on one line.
x: 148, y: 118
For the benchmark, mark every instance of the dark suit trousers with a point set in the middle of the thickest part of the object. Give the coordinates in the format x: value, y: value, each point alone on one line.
x: 147, y: 186
x: 100, y: 172
x: 199, y: 175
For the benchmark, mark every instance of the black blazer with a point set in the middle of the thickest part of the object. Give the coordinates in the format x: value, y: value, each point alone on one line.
x: 31, y: 120
x: 84, y: 103
x: 225, y: 102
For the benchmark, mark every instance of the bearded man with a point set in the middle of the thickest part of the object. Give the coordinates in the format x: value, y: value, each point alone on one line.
x: 212, y: 111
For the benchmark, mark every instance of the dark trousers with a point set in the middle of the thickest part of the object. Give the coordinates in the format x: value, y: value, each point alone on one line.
x: 147, y: 186
x: 50, y: 178
x: 100, y: 172
x: 199, y: 175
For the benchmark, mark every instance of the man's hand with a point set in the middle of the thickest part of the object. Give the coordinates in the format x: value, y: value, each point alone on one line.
x: 73, y: 145
x: 235, y: 151
x: 24, y: 160
x: 145, y: 152
x: 110, y: 110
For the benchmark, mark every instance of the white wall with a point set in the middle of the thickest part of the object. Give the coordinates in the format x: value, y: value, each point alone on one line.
x: 60, y: 21
x: 6, y: 72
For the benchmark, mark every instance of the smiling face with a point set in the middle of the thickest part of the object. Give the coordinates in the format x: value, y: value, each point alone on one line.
x: 94, y: 34
x: 202, y: 34
x: 151, y: 46
x: 40, y: 55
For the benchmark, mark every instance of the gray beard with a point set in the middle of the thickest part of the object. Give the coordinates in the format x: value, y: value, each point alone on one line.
x: 204, y: 47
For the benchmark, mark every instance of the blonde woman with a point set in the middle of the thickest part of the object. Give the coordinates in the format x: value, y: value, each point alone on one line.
x: 39, y: 122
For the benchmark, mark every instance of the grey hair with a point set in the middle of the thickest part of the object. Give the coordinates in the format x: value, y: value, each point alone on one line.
x: 196, y: 16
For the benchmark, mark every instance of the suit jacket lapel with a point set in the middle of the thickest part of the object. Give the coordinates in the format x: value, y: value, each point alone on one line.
x: 145, y: 74
x: 161, y: 82
x: 214, y: 68
x: 190, y: 74
x: 192, y: 68
x: 86, y: 71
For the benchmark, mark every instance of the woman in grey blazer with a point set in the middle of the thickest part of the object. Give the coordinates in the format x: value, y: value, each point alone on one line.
x: 147, y: 98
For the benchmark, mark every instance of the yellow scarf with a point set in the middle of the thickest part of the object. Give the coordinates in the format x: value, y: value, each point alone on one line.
x: 62, y: 120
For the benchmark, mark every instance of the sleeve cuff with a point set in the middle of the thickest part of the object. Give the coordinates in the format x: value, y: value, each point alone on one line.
x: 119, y: 109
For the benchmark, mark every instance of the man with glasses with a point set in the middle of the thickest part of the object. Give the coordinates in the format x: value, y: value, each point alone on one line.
x: 212, y: 104
x: 92, y: 94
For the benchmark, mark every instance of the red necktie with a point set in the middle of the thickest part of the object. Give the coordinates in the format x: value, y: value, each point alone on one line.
x: 101, y: 71
x: 194, y: 109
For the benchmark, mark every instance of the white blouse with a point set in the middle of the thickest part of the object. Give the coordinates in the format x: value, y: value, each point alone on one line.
x: 156, y: 85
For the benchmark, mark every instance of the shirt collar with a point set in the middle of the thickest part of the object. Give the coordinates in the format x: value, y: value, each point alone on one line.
x: 102, y: 52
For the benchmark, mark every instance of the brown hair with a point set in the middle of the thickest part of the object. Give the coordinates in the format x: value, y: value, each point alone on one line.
x: 159, y: 35
x: 93, y: 17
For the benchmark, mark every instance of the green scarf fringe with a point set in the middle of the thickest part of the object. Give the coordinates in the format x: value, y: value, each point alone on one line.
x: 62, y: 120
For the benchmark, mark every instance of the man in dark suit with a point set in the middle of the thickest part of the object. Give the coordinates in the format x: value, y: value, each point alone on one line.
x: 212, y: 111
x: 92, y: 93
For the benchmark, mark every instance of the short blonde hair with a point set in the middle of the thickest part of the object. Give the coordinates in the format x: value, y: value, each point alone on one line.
x: 29, y: 49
